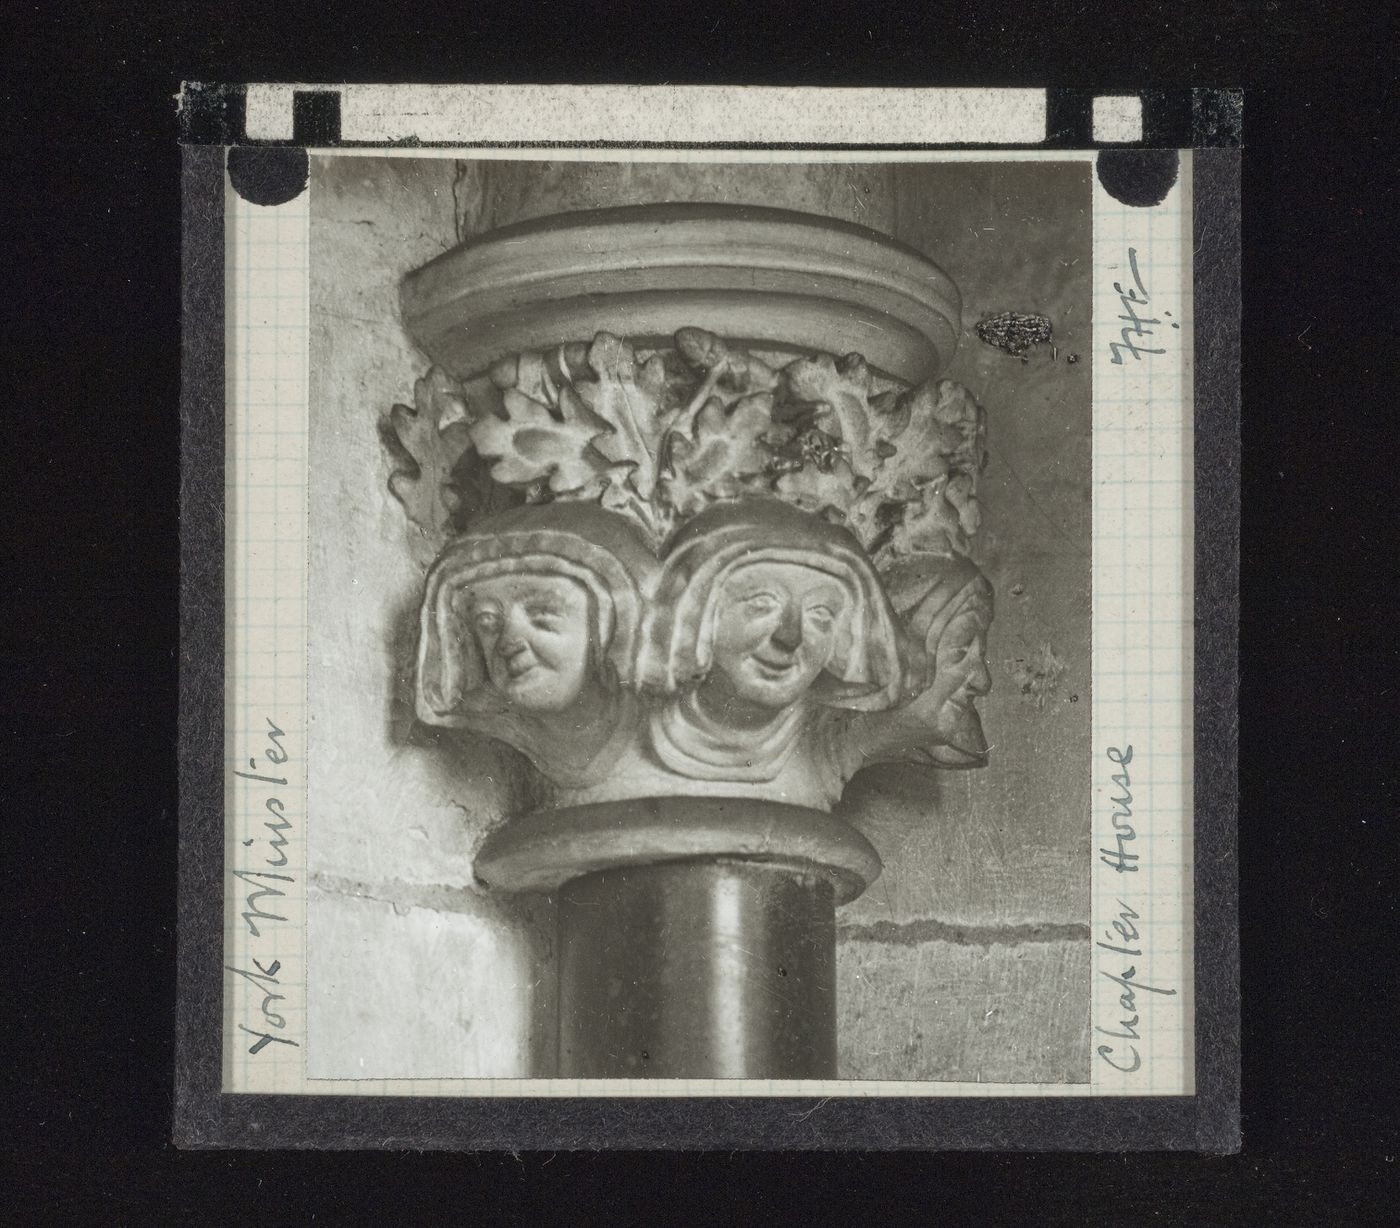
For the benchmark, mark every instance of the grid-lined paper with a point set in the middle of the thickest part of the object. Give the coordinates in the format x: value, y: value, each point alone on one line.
x: 1142, y: 658
x: 267, y: 310
x: 1143, y: 553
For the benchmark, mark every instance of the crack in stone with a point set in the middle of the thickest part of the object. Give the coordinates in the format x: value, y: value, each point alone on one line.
x: 912, y: 933
x: 402, y: 896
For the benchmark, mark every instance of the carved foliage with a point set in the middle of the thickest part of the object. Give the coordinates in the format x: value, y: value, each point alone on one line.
x: 434, y: 472
x: 661, y: 436
x: 424, y: 442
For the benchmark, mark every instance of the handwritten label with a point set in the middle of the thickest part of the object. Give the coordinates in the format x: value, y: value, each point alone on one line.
x: 1136, y: 327
x: 263, y: 880
x: 1125, y: 942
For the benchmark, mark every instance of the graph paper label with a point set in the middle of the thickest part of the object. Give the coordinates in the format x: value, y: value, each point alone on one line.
x: 1143, y: 658
x: 265, y: 681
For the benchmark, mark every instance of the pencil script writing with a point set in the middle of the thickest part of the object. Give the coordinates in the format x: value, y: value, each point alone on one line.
x: 264, y: 880
x: 1137, y: 329
x: 1124, y: 934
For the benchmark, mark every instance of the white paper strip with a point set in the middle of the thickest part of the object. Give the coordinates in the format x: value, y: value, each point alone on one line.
x: 472, y: 114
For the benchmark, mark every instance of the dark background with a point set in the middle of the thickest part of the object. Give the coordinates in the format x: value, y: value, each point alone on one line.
x: 89, y: 620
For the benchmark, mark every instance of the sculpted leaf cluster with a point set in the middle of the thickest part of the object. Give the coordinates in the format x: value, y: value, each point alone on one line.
x: 661, y: 436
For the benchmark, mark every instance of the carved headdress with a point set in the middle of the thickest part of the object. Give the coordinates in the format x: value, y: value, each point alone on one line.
x: 870, y: 666
x: 929, y: 591
x: 600, y: 550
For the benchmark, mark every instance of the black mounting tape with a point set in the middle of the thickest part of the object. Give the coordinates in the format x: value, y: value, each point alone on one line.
x: 268, y: 174
x: 218, y: 115
x: 316, y: 118
x: 1171, y: 119
x: 213, y: 114
x: 1069, y: 118
x: 1138, y: 177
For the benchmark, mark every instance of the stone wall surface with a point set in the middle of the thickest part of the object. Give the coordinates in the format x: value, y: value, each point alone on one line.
x: 1002, y: 1007
x: 1005, y: 845
x: 968, y: 958
x: 491, y: 194
x: 1004, y: 849
x: 412, y: 968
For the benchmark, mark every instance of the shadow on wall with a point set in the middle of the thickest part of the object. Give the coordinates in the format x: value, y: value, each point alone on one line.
x: 413, y: 970
x: 443, y: 751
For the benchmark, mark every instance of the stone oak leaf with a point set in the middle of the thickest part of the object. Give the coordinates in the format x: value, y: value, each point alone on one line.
x: 530, y: 442
x: 728, y: 375
x: 662, y: 438
x: 534, y: 375
x: 833, y: 493
x: 944, y: 419
x: 630, y: 399
x: 841, y: 479
x: 723, y: 457
x: 540, y: 374
x: 424, y: 443
x: 840, y: 395
x: 939, y: 450
x: 941, y: 520
x: 961, y: 493
x: 614, y: 490
x: 941, y: 430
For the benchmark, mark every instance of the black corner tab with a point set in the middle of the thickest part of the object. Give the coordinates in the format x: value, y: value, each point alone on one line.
x: 212, y: 114
x: 316, y: 118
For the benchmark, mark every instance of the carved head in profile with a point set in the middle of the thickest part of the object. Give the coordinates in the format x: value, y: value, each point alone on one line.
x: 532, y: 612
x: 761, y: 605
x: 949, y: 608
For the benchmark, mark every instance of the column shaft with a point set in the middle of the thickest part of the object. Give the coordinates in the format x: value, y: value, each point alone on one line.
x: 698, y: 969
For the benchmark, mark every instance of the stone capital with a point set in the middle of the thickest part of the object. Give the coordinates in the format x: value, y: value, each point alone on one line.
x: 701, y: 507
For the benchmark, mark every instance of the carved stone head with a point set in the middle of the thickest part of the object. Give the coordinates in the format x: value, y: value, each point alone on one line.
x: 529, y: 612
x: 948, y: 607
x: 773, y: 630
x: 765, y: 605
x: 536, y: 635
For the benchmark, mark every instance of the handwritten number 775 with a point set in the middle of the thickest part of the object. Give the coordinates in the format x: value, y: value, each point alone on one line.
x: 1135, y: 328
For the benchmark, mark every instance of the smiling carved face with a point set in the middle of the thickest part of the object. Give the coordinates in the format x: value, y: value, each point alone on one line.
x: 774, y: 633
x: 534, y: 635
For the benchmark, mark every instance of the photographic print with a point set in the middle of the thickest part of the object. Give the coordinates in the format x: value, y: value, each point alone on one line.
x: 708, y: 622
